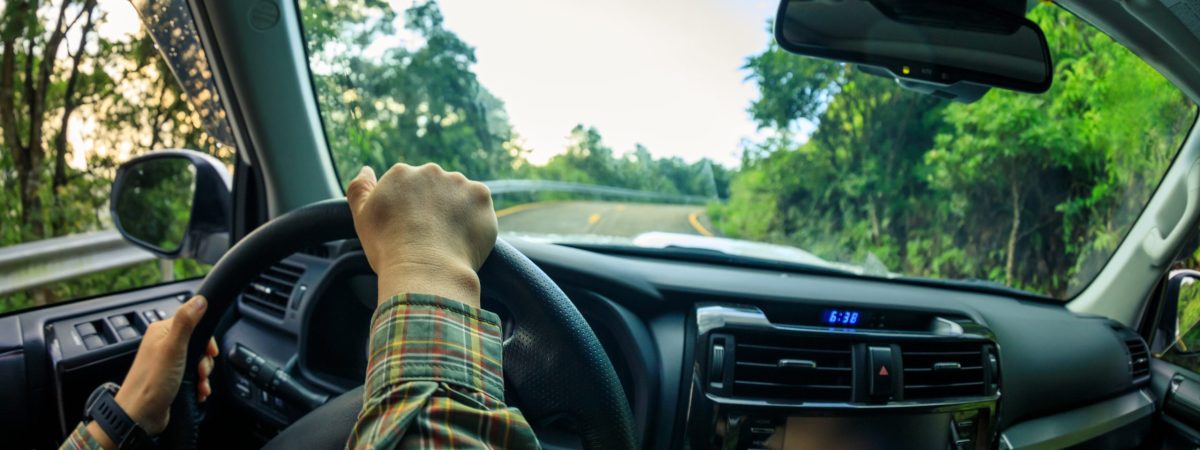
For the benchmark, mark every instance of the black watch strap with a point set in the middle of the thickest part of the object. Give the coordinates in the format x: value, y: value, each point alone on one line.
x: 103, y: 409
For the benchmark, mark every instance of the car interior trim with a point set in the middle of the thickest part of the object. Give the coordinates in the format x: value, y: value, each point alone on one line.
x: 253, y: 57
x: 1079, y: 425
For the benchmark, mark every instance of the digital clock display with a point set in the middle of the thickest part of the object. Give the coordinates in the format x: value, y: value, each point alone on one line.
x: 841, y: 317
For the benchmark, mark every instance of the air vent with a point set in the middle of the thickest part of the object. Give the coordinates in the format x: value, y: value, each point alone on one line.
x: 1139, y: 357
x: 784, y: 367
x: 271, y: 290
x: 943, y: 370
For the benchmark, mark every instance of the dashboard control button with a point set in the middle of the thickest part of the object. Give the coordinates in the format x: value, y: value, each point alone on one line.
x: 274, y: 380
x: 242, y: 386
x: 86, y: 329
x: 128, y: 333
x: 93, y: 342
x: 118, y: 321
x: 879, y: 359
x: 161, y: 314
x: 150, y: 316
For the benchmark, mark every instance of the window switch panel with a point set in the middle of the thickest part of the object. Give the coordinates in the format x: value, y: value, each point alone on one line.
x: 86, y: 329
x: 119, y: 321
x: 128, y: 333
x: 93, y: 342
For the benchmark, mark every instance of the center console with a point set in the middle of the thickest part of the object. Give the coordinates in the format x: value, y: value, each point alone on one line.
x: 808, y: 376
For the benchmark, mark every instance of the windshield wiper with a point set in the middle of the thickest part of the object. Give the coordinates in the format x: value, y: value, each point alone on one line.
x: 708, y: 255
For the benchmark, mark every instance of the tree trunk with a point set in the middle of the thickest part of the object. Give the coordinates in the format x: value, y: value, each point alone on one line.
x: 873, y: 215
x: 1014, y: 231
x: 59, y: 179
x: 158, y: 118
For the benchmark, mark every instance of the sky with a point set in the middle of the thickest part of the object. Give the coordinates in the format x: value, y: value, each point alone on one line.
x: 663, y: 73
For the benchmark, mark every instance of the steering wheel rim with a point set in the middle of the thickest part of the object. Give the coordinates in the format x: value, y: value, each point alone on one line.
x: 552, y: 359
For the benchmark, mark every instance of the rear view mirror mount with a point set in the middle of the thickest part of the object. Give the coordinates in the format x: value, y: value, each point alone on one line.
x: 948, y: 49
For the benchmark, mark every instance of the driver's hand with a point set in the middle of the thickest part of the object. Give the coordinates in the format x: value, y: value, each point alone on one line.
x: 424, y: 230
x: 157, y: 370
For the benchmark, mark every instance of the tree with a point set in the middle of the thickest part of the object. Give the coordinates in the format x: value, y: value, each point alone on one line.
x: 25, y: 111
x: 1032, y: 191
x: 63, y: 84
x: 419, y: 101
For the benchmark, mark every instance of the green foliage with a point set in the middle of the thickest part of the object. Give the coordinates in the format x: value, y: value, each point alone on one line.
x: 414, y: 102
x: 75, y: 92
x: 1032, y: 191
x: 155, y: 202
x: 790, y: 88
x: 420, y: 102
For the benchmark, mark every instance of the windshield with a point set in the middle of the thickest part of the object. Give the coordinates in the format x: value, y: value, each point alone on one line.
x: 626, y: 123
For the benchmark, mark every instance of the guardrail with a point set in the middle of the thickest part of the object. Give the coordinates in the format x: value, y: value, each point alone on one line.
x: 512, y: 186
x: 38, y: 263
x: 47, y: 261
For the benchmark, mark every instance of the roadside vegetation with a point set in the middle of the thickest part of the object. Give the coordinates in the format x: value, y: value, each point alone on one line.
x: 1028, y: 191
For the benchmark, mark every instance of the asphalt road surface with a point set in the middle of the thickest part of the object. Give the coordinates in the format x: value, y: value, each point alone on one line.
x: 620, y: 219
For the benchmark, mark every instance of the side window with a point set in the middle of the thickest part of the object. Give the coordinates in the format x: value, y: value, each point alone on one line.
x: 83, y: 88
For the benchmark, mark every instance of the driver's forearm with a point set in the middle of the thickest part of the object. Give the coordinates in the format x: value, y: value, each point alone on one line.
x: 434, y: 379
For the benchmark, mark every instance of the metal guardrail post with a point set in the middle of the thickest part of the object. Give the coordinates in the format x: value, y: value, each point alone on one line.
x: 513, y: 186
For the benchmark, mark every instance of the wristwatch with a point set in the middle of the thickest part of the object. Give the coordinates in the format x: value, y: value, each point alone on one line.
x: 102, y: 408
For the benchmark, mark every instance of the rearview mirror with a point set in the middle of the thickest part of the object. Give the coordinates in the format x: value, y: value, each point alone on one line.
x: 173, y: 203
x: 955, y: 50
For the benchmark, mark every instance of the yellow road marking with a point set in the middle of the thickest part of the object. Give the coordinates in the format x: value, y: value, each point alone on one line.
x: 592, y: 219
x: 694, y: 219
x: 518, y: 208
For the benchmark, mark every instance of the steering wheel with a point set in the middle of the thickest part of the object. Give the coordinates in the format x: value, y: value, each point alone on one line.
x: 553, y: 362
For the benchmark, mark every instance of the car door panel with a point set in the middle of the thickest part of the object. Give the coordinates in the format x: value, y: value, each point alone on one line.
x: 12, y: 371
x: 47, y: 368
x: 1177, y: 391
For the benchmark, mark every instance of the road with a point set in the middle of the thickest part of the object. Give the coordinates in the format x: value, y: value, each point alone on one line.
x: 619, y: 219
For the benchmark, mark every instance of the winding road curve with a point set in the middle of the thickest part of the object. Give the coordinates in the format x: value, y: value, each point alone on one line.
x: 619, y: 219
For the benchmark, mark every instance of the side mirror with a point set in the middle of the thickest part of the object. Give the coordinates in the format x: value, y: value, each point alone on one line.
x: 174, y: 203
x: 1181, y: 300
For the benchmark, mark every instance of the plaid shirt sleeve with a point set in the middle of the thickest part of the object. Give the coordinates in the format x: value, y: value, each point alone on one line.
x: 434, y: 380
x: 81, y: 440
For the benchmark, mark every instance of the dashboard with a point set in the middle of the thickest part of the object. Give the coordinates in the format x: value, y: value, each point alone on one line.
x: 711, y: 356
x: 723, y: 357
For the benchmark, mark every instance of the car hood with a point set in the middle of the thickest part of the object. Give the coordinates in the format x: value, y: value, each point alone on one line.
x: 734, y: 247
